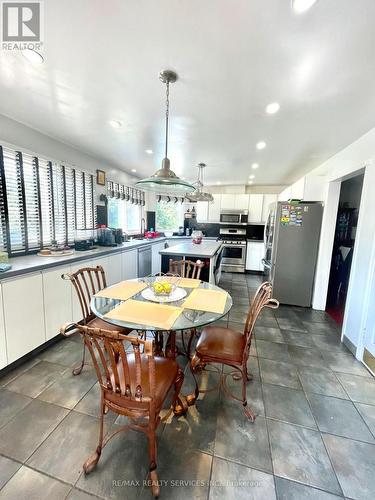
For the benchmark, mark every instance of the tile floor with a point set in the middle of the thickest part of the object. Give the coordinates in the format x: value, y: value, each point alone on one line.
x: 314, y: 437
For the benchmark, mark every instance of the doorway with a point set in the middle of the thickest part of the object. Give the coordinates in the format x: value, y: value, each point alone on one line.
x: 343, y: 246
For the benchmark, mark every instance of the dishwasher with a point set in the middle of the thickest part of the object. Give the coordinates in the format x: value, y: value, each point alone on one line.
x: 144, y: 261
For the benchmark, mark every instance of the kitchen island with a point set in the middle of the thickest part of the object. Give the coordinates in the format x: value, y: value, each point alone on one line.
x: 209, y: 252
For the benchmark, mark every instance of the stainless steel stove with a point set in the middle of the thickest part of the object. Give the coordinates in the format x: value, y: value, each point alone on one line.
x: 234, y: 249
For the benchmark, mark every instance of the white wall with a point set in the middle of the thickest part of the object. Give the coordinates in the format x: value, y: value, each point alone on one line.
x: 20, y: 136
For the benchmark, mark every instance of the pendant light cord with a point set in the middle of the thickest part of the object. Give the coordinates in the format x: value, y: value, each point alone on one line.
x: 166, y: 119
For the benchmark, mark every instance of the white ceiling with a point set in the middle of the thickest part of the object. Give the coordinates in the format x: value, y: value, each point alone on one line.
x: 102, y: 61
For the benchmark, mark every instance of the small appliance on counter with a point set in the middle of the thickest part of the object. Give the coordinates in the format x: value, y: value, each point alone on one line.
x: 152, y: 234
x: 197, y: 237
x: 109, y: 237
x: 85, y: 239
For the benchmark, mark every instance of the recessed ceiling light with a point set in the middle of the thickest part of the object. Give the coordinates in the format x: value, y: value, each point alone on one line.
x: 251, y: 176
x: 300, y: 6
x: 261, y: 145
x: 149, y: 151
x: 33, y: 56
x: 218, y: 183
x: 273, y: 108
x: 133, y: 170
x: 255, y: 165
x: 115, y: 123
x: 250, y: 182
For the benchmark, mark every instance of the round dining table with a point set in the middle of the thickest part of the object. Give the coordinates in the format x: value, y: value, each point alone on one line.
x: 187, y: 322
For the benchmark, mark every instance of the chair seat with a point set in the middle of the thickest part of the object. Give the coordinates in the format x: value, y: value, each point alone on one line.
x: 103, y: 325
x: 166, y: 370
x: 221, y: 344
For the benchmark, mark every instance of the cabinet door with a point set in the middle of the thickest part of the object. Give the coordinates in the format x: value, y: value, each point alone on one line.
x: 214, y: 208
x: 129, y: 264
x: 255, y: 207
x: 254, y: 256
x: 57, y: 300
x: 228, y: 201
x: 24, y: 315
x: 3, y: 349
x: 156, y: 258
x: 241, y: 202
x: 114, y: 268
x: 76, y: 307
x: 202, y: 211
x: 267, y: 200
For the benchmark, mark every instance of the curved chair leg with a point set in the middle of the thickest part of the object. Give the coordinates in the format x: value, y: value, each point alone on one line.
x: 248, y: 412
x: 155, y: 486
x: 78, y: 369
x: 93, y: 459
x: 179, y: 404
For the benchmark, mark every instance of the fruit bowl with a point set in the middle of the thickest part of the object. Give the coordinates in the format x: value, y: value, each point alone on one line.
x: 164, y: 284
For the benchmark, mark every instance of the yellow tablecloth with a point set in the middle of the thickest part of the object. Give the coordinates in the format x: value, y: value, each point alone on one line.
x: 122, y: 291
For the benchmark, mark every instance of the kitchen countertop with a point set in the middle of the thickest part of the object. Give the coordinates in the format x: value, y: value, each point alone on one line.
x: 32, y: 263
x: 206, y: 249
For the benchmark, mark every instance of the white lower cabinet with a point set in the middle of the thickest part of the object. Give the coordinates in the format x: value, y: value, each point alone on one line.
x: 156, y: 258
x: 3, y: 347
x: 112, y: 265
x: 23, y: 314
x: 129, y: 264
x: 57, y: 300
x: 76, y: 306
x: 254, y: 256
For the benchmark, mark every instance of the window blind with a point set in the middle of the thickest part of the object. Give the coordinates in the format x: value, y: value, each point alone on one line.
x: 41, y: 201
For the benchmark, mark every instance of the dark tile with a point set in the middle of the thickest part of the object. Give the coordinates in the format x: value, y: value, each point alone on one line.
x: 321, y: 381
x: 299, y: 454
x: 276, y: 372
x: 36, y: 379
x: 253, y: 394
x: 267, y: 321
x: 231, y: 481
x: 7, y: 469
x: 10, y: 404
x: 241, y: 441
x: 289, y: 490
x: 70, y: 445
x: 65, y: 352
x: 354, y: 464
x: 28, y: 483
x: 16, y: 372
x: 237, y: 317
x: 90, y: 405
x: 289, y: 324
x: 80, y: 495
x: 297, y: 338
x: 312, y: 315
x: 29, y: 428
x: 306, y: 356
x: 320, y: 328
x: 360, y: 389
x: 345, y: 363
x: 69, y: 389
x: 340, y: 417
x: 289, y: 405
x: 329, y: 343
x: 268, y: 333
x: 272, y: 350
x: 368, y: 415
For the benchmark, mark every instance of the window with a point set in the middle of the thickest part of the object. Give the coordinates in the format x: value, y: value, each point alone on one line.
x: 41, y: 201
x: 169, y: 215
x: 125, y: 215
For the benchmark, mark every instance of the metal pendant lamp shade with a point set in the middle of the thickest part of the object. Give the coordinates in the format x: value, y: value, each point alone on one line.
x: 164, y: 180
x: 199, y: 194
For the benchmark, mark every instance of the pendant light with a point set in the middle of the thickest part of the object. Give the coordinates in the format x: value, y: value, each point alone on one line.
x: 165, y: 181
x: 199, y: 194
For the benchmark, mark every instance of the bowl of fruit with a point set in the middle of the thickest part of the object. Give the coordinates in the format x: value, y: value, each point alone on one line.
x: 163, y: 288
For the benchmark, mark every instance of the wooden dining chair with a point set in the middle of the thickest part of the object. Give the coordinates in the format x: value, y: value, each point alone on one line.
x: 88, y: 281
x: 134, y: 383
x: 186, y: 268
x: 230, y: 347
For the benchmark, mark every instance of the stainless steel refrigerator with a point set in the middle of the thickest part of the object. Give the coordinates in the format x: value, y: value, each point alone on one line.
x: 291, y: 240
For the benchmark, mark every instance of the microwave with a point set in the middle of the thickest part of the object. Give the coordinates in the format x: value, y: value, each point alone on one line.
x: 234, y: 216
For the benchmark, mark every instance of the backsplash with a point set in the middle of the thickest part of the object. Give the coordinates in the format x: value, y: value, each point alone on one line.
x: 210, y: 229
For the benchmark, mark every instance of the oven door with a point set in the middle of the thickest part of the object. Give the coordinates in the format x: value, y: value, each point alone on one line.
x: 234, y: 255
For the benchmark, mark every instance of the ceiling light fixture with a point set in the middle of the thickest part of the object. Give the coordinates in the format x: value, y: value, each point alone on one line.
x: 33, y: 56
x: 300, y: 6
x: 261, y: 145
x: 148, y: 151
x: 115, y: 123
x: 165, y: 180
x: 272, y: 108
x: 251, y: 176
x: 218, y: 183
x: 134, y: 170
x: 199, y: 194
x: 255, y: 165
x: 250, y: 182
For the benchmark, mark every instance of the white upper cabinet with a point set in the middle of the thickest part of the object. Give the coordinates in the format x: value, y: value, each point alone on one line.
x: 23, y: 314
x: 202, y: 211
x: 228, y: 201
x: 3, y: 349
x: 214, y: 208
x: 129, y: 264
x: 241, y: 202
x: 255, y: 207
x: 57, y: 300
x: 267, y: 200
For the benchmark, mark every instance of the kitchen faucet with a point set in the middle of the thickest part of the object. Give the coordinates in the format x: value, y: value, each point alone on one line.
x: 143, y: 227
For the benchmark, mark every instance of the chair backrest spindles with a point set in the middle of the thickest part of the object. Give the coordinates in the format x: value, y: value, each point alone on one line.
x: 186, y: 268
